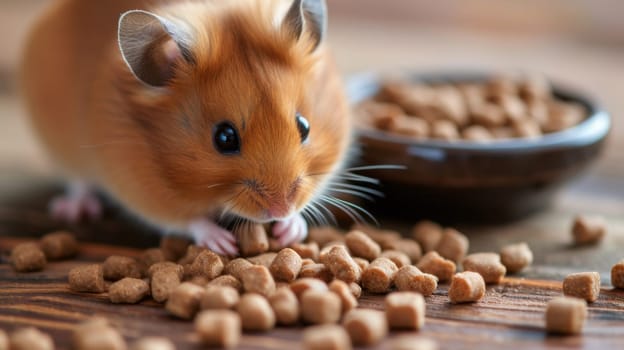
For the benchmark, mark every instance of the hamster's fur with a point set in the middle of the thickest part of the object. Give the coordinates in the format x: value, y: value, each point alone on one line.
x: 130, y: 106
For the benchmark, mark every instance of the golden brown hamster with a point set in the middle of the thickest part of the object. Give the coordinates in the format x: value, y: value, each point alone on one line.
x: 189, y: 111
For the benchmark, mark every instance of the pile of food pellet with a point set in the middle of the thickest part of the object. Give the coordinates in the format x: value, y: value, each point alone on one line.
x: 316, y: 283
x: 502, y: 107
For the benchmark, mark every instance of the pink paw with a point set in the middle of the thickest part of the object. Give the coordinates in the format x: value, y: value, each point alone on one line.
x: 79, y: 202
x: 291, y: 230
x: 214, y: 237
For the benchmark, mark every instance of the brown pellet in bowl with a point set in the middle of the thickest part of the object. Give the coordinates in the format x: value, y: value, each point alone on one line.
x: 319, y: 271
x: 163, y: 282
x: 183, y: 302
x: 286, y: 265
x: 258, y: 279
x: 617, y: 275
x: 341, y: 264
x: 27, y: 257
x: 226, y: 281
x: 348, y: 300
x: 252, y: 239
x: 153, y: 343
x: 453, y: 245
x: 362, y: 246
x: 427, y: 234
x: 304, y: 284
x: 285, y: 306
x: 116, y: 267
x: 97, y: 333
x: 588, y: 229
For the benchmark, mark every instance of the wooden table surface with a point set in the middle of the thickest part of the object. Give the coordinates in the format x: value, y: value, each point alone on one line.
x: 509, y: 316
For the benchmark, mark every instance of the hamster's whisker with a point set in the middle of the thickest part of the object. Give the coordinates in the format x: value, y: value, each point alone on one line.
x: 214, y: 185
x: 377, y: 167
x: 344, y: 209
x: 352, y: 192
x: 318, y: 217
x: 357, y: 188
x: 354, y: 208
x: 357, y: 178
x: 322, y: 211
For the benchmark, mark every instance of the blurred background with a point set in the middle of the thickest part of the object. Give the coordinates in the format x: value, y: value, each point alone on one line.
x: 577, y: 42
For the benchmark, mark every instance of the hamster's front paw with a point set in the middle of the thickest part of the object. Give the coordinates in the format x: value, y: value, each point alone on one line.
x: 291, y: 230
x: 214, y: 237
x: 78, y: 202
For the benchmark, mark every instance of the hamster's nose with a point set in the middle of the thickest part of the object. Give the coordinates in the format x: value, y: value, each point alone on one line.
x: 278, y: 203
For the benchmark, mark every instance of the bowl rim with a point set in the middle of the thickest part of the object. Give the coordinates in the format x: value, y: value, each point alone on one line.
x: 594, y: 128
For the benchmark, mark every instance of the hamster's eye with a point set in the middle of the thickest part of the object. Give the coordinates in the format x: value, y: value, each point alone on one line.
x: 225, y: 138
x: 304, y: 127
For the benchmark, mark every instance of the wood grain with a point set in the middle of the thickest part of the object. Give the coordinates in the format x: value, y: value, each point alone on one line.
x: 511, y: 314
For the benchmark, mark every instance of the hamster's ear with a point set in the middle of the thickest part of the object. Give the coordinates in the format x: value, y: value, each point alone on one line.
x: 310, y: 15
x: 152, y: 45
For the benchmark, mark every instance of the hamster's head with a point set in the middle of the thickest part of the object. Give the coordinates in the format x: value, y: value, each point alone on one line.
x: 239, y: 103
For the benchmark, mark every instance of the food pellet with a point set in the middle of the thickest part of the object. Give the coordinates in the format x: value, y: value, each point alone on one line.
x: 59, y: 245
x: 128, y: 291
x: 236, y: 267
x: 207, y: 264
x: 218, y: 297
x: 265, y: 259
x: 326, y: 337
x: 256, y: 313
x: 307, y: 261
x: 252, y: 239
x: 220, y: 328
x: 365, y: 326
x: 163, y: 282
x: 166, y: 266
x: 285, y: 306
x: 150, y: 257
x: 341, y: 264
x: 413, y: 342
x: 385, y: 238
x: 617, y: 275
x: 304, y: 284
x: 409, y: 247
x: 379, y: 275
x: 565, y: 315
x: 400, y: 259
x: 324, y: 235
x: 286, y: 265
x: 453, y: 245
x: 226, y: 281
x: 588, y: 229
x: 444, y: 130
x: 328, y: 247
x: 516, y: 256
x: 4, y: 340
x: 97, y: 334
x: 427, y: 234
x: 355, y: 289
x: 405, y: 310
x: 192, y: 251
x: 174, y: 247
x: 258, y: 279
x: 153, y: 343
x: 320, y: 307
x: 488, y: 265
x: 27, y: 257
x: 319, y: 271
x: 89, y: 278
x: 410, y: 278
x: 347, y: 299
x: 362, y: 246
x: 466, y: 287
x: 307, y: 250
x: 584, y: 285
x: 362, y: 263
x: 527, y: 128
x: 30, y: 338
x: 436, y: 265
x: 116, y: 267
x: 477, y: 133
x: 413, y: 127
x: 183, y: 301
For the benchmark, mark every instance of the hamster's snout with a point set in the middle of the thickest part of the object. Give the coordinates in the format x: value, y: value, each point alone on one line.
x: 274, y: 203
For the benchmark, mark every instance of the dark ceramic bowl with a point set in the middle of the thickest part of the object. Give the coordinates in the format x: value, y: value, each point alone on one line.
x: 463, y: 180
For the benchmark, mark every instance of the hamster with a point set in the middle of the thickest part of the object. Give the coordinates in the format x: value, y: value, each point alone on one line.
x: 187, y: 112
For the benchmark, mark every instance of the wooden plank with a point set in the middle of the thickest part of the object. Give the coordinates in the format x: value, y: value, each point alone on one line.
x: 511, y: 313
